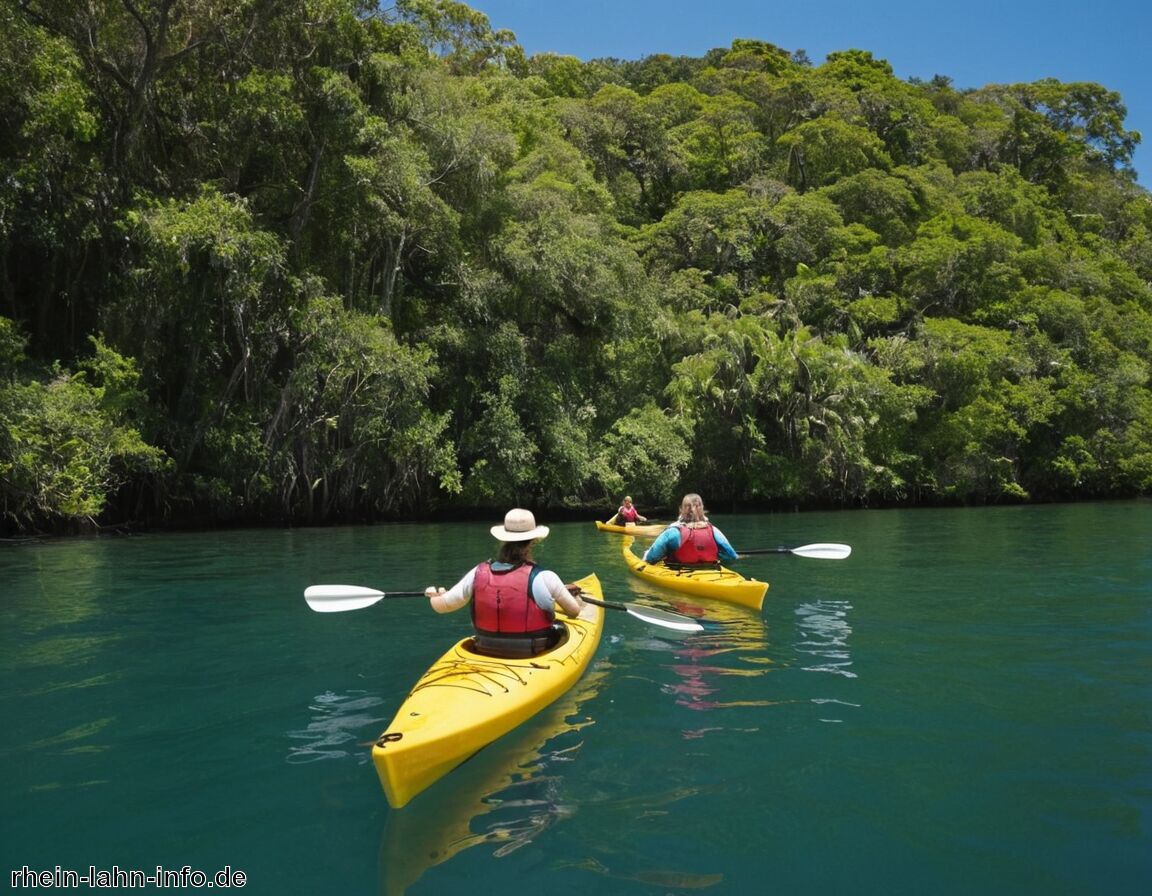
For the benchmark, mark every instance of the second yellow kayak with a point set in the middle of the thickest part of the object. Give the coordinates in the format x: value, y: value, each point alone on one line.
x: 717, y: 581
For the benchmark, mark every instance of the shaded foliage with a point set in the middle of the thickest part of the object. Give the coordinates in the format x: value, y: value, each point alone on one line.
x: 333, y: 260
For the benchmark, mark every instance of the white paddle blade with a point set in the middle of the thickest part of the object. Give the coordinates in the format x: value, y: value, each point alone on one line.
x: 338, y: 598
x: 824, y: 551
x: 663, y: 618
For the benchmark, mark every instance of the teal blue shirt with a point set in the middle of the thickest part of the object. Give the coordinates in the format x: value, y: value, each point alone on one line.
x: 669, y: 540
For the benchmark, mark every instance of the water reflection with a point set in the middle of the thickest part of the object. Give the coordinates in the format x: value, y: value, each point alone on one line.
x: 721, y: 667
x: 639, y: 858
x: 503, y: 797
x: 824, y: 630
x: 822, y: 633
x: 337, y: 728
x: 677, y: 880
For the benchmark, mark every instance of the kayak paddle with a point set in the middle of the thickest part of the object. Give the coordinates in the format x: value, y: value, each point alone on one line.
x: 338, y: 598
x: 816, y: 551
x: 651, y: 615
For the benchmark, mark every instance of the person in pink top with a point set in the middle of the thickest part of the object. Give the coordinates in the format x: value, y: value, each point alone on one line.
x: 627, y: 514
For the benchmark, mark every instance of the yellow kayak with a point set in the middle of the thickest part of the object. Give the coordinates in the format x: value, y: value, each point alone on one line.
x: 717, y: 582
x: 467, y: 700
x: 652, y: 529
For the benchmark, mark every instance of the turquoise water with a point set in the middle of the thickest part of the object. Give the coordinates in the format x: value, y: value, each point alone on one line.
x: 963, y: 706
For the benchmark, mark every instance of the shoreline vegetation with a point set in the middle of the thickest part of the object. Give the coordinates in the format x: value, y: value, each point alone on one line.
x: 331, y: 263
x: 474, y: 516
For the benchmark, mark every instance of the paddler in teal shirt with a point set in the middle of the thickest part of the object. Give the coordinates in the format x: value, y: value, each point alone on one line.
x: 692, y: 539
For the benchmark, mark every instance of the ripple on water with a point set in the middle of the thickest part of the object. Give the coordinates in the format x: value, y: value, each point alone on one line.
x: 825, y: 631
x: 338, y: 720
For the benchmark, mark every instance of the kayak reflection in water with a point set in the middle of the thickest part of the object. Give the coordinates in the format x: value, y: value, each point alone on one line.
x: 692, y: 539
x: 513, y: 600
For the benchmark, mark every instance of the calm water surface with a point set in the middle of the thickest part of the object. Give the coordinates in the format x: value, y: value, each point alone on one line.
x: 963, y: 706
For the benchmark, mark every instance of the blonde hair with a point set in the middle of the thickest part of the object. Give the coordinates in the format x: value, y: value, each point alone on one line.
x: 692, y: 509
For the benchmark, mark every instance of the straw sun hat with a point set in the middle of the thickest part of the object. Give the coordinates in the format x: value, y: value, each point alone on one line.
x: 519, y: 525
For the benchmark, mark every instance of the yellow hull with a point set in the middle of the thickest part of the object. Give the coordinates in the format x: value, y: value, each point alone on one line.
x: 652, y: 529
x: 719, y: 583
x: 458, y: 814
x: 467, y: 700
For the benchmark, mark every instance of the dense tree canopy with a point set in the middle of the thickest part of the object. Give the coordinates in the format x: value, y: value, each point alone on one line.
x: 327, y: 260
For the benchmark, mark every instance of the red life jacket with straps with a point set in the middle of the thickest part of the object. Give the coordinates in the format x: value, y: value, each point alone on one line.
x: 696, y: 545
x: 502, y: 601
x: 627, y: 514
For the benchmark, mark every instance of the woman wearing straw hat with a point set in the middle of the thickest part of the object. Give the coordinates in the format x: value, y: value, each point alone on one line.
x: 513, y: 600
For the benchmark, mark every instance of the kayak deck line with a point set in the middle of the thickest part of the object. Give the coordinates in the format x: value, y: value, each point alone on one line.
x: 490, y: 671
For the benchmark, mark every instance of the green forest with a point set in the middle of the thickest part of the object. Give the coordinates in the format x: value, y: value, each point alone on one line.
x: 298, y: 262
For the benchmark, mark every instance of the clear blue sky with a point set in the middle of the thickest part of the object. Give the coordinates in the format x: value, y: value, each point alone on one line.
x: 974, y: 43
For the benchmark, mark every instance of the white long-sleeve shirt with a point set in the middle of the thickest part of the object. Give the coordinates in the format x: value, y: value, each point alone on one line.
x: 548, y: 591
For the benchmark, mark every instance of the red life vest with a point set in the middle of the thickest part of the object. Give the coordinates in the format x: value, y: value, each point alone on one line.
x: 696, y: 545
x: 502, y: 601
x: 628, y: 514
